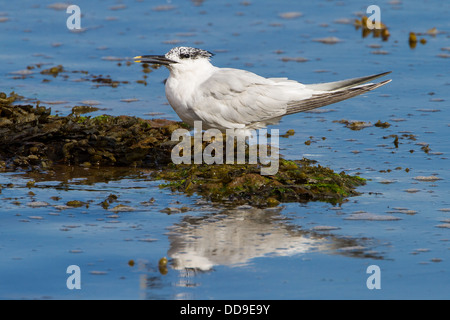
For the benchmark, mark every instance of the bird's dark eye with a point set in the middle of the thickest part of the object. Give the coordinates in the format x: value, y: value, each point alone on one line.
x: 185, y: 55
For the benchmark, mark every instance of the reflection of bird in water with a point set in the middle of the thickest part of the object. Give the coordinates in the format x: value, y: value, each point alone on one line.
x: 234, y: 237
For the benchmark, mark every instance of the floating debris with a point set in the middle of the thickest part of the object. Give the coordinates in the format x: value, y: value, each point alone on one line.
x: 118, y: 7
x: 387, y: 181
x: 55, y: 102
x: 370, y: 216
x: 163, y: 8
x: 395, y: 139
x: 295, y: 59
x: 352, y: 248
x: 98, y: 273
x: 122, y: 208
x: 427, y: 178
x: 443, y: 55
x: 412, y: 39
x: 37, y: 204
x: 382, y: 52
x: 354, y: 124
x: 91, y: 102
x: 343, y: 21
x: 171, y: 210
x: 75, y: 203
x: 24, y: 72
x: 403, y: 210
x: 83, y: 109
x: 291, y: 15
x: 382, y: 124
x: 36, y: 217
x: 112, y: 58
x: 377, y: 29
x: 288, y: 133
x: 129, y: 100
x: 54, y: 71
x: 148, y: 240
x: 162, y: 265
x: 432, y: 31
x: 328, y: 40
x: 325, y: 228
x: 58, y: 6
x: 412, y: 190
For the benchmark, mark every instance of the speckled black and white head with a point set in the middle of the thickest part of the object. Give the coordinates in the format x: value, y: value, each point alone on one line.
x: 178, y: 56
x: 183, y: 53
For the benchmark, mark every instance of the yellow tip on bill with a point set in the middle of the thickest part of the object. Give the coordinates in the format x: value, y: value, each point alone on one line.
x: 137, y: 58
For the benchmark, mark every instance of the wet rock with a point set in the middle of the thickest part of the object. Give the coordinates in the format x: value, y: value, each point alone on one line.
x: 31, y: 136
x: 296, y: 181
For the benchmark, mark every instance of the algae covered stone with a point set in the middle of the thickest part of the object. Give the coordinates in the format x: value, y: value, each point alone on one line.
x: 31, y: 138
x: 296, y: 181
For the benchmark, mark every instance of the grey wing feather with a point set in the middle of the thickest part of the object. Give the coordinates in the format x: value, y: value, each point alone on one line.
x: 342, y: 84
x: 326, y: 98
x: 230, y: 97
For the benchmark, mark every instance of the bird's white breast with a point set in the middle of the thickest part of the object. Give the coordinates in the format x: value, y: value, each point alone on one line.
x: 182, y: 90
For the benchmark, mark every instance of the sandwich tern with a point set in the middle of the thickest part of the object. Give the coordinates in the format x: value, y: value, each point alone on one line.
x: 227, y: 98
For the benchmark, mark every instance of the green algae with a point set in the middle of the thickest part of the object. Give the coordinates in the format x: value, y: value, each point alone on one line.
x: 296, y: 181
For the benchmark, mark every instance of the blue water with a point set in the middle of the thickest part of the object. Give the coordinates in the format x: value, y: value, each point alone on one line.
x: 297, y: 251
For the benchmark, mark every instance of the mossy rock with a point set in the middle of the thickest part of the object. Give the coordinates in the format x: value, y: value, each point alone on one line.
x: 27, y: 130
x: 296, y: 181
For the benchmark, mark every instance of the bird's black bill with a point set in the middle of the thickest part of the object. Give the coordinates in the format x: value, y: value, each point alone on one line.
x: 154, y: 59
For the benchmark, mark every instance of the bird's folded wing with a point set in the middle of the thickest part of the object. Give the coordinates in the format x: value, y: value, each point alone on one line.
x: 322, y: 99
x: 234, y: 96
x: 344, y: 84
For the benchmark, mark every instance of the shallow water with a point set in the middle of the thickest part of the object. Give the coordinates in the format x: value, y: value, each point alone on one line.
x: 400, y: 222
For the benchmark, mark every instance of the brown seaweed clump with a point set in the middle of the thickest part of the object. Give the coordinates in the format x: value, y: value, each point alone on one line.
x: 379, y: 30
x: 30, y: 137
